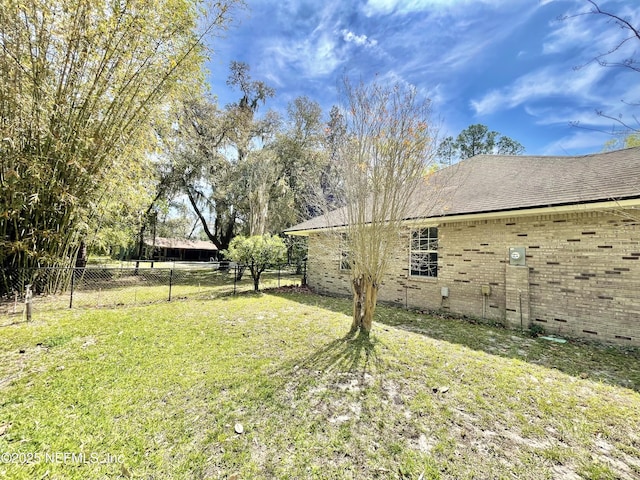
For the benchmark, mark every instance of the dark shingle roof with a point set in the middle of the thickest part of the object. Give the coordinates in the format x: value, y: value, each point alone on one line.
x: 494, y: 183
x: 181, y: 244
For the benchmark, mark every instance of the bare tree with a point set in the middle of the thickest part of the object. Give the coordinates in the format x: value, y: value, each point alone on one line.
x: 616, y: 56
x: 631, y: 34
x: 382, y: 159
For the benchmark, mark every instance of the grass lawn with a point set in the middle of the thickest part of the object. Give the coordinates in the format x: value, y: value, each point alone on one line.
x: 114, y: 287
x: 265, y: 386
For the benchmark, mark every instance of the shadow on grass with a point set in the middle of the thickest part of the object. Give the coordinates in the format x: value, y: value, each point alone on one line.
x: 614, y: 365
x: 347, y: 359
x: 354, y: 354
x: 14, y: 323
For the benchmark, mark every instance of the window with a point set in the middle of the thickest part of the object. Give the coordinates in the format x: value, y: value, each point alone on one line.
x: 423, y: 252
x: 345, y: 254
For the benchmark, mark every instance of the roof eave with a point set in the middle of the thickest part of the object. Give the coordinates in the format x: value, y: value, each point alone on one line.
x: 611, y: 205
x: 591, y: 206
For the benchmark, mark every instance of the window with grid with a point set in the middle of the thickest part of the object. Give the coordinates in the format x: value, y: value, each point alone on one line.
x: 423, y: 252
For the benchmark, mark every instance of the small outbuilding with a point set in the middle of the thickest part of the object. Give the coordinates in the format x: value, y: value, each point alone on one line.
x: 523, y: 240
x: 178, y: 249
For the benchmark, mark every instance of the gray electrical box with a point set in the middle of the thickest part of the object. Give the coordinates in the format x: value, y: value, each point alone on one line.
x: 517, y: 256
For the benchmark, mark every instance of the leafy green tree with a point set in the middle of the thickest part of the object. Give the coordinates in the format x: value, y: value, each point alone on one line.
x: 198, y: 168
x: 175, y: 219
x: 628, y: 141
x: 302, y: 159
x: 114, y: 220
x: 297, y: 248
x: 632, y: 140
x: 256, y: 174
x: 257, y: 253
x: 331, y: 192
x: 476, y: 140
x: 219, y: 158
x: 258, y: 184
x: 509, y: 146
x: 80, y: 83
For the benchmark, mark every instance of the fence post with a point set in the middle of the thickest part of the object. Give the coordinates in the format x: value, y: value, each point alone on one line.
x: 170, y: 282
x: 27, y: 300
x: 73, y: 276
x: 279, y: 269
x: 235, y: 278
x: 304, y: 274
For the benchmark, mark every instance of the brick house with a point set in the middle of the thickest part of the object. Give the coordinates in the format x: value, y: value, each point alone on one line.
x: 522, y: 240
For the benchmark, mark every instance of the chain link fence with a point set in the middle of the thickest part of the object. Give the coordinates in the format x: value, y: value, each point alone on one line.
x: 26, y: 292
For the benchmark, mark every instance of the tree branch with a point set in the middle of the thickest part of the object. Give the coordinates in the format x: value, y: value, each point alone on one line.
x: 203, y: 220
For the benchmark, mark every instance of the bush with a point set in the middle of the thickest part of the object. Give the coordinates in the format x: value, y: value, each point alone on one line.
x: 536, y: 330
x: 257, y: 253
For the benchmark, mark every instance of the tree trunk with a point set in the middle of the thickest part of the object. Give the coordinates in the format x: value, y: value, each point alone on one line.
x: 203, y: 220
x: 227, y: 234
x: 256, y: 271
x: 81, y: 258
x: 370, y: 301
x: 239, y: 272
x: 365, y: 297
x: 145, y: 218
x: 258, y: 211
x: 141, y: 240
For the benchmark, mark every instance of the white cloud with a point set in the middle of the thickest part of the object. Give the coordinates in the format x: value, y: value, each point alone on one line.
x: 585, y: 113
x: 361, y: 40
x: 447, y: 41
x: 579, y: 141
x: 552, y: 115
x: 590, y: 35
x: 383, y: 7
x: 312, y: 49
x: 557, y: 81
x: 570, y: 33
x: 312, y: 57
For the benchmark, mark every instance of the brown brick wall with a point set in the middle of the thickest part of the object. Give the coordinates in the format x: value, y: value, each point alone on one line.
x: 582, y: 274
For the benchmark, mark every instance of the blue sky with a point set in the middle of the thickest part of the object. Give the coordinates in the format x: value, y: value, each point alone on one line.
x: 509, y: 64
